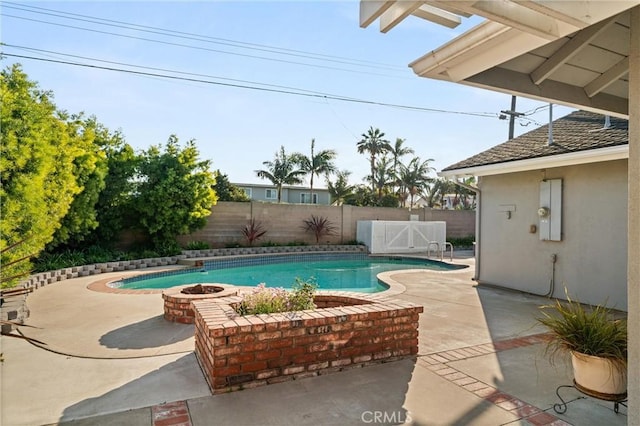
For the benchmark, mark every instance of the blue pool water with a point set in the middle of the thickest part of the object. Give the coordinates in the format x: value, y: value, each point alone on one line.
x: 358, y: 273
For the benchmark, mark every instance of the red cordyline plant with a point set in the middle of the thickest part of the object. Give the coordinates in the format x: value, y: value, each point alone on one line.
x: 253, y: 231
x: 320, y: 226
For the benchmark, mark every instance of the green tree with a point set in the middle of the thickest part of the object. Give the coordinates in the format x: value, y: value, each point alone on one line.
x: 114, y: 208
x: 437, y: 191
x: 374, y: 144
x: 281, y: 171
x: 384, y: 176
x: 414, y: 177
x: 317, y: 164
x: 174, y: 191
x: 398, y: 151
x: 90, y: 170
x: 340, y: 190
x: 226, y: 191
x: 361, y: 196
x: 37, y: 163
x: 464, y: 197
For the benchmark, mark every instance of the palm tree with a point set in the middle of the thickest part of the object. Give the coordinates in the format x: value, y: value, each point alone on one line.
x: 281, y: 171
x: 316, y: 164
x: 341, y: 189
x: 397, y: 151
x: 464, y: 197
x: 415, y: 177
x: 438, y: 192
x: 374, y: 143
x: 384, y: 176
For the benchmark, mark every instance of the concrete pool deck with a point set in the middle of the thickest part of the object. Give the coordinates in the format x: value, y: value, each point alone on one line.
x: 480, y: 361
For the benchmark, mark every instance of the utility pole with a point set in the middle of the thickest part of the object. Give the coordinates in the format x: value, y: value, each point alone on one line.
x: 512, y: 116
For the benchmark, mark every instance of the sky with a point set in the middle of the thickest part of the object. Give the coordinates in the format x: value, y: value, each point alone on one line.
x: 262, y: 75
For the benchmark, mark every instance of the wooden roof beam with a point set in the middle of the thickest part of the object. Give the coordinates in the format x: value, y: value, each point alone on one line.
x: 396, y: 14
x: 579, y: 14
x: 514, y: 15
x: 607, y: 78
x: 449, y: 6
x: 438, y: 16
x: 370, y: 10
x: 570, y: 49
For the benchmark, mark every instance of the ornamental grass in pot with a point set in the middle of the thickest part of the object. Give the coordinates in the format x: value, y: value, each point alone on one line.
x: 596, y: 341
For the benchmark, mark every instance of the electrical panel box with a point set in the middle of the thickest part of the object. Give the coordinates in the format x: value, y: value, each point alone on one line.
x: 550, y: 211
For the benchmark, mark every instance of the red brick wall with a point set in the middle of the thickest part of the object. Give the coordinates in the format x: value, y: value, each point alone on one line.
x: 240, y: 352
x: 177, y: 305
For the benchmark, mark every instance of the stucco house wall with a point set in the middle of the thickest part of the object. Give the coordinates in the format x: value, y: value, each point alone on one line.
x: 592, y: 255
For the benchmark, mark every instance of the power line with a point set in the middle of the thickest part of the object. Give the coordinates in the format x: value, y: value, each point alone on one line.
x: 226, y: 52
x: 534, y: 110
x: 296, y: 92
x: 155, y: 68
x: 199, y: 37
x: 168, y: 43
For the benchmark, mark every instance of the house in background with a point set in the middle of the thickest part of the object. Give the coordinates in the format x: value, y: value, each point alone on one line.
x: 553, y: 213
x: 290, y: 194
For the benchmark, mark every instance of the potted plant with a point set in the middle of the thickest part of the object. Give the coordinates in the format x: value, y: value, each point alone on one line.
x: 596, y: 341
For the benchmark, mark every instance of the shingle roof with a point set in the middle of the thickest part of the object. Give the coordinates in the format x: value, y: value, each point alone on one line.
x: 578, y: 131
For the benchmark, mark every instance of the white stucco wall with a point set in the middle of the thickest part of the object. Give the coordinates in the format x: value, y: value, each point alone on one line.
x: 592, y: 256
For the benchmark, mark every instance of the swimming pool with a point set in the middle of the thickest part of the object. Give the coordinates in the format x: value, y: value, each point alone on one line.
x: 347, y: 272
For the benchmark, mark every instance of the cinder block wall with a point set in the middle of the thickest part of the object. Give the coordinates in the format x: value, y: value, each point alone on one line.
x: 284, y: 222
x: 460, y: 223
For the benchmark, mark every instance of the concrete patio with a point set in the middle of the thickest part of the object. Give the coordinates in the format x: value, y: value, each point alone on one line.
x: 111, y: 359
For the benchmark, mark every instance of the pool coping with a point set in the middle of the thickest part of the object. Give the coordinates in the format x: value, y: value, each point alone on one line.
x: 102, y: 286
x: 394, y: 286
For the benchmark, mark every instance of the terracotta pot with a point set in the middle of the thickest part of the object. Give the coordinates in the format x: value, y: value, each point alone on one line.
x: 598, y: 376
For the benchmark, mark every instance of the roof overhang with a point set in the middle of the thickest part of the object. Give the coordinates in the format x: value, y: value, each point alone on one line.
x: 619, y: 152
x: 574, y: 53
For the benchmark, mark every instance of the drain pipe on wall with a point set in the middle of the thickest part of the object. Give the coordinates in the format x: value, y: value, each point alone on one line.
x: 475, y: 190
x: 552, y: 281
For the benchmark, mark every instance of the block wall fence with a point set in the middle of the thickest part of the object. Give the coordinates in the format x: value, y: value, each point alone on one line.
x: 284, y: 222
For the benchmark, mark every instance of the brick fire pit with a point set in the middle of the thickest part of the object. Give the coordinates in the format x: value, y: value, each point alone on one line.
x: 238, y: 352
x: 177, y: 303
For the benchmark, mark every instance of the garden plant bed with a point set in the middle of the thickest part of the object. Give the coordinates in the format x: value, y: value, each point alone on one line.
x: 345, y: 331
x: 177, y: 300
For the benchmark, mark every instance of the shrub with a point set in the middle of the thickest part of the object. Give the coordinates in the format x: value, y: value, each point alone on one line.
x: 53, y: 261
x: 98, y: 254
x: 459, y: 242
x: 296, y: 244
x: 301, y: 298
x: 264, y: 300
x: 167, y: 248
x: 197, y: 245
x: 270, y: 244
